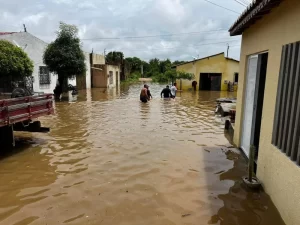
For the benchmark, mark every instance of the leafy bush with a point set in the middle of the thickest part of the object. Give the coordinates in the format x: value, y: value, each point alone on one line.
x: 14, y: 62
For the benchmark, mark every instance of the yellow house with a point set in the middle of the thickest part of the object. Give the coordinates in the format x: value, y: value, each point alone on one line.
x: 211, y: 73
x: 268, y: 104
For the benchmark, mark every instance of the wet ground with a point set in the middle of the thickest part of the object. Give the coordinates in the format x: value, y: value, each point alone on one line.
x: 110, y: 159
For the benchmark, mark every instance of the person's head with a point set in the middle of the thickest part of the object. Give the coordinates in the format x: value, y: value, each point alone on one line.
x: 175, y: 84
x: 145, y: 85
x: 167, y: 86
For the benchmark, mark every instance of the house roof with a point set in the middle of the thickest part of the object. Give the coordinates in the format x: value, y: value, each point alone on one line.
x: 255, y: 11
x: 222, y: 53
x: 5, y: 33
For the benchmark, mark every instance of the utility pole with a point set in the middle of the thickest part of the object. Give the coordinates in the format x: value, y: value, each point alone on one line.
x: 25, y: 30
x: 142, y: 70
x: 227, y: 49
x: 104, y: 53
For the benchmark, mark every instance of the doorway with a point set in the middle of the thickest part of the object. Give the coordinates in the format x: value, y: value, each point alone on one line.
x: 210, y: 81
x: 253, y: 101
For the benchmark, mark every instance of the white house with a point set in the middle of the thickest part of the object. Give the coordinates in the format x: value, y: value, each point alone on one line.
x: 43, y: 80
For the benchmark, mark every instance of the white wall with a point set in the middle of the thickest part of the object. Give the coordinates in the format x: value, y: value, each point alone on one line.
x: 88, y: 71
x: 34, y: 47
x: 114, y: 69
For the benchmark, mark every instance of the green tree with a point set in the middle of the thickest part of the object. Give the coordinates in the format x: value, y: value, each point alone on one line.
x: 172, y: 75
x: 64, y: 56
x: 177, y: 62
x: 133, y: 65
x: 115, y: 58
x: 164, y: 65
x: 14, y: 62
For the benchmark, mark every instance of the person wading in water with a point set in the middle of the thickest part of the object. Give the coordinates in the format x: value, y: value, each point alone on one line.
x: 166, y: 92
x: 174, y: 90
x: 194, y: 85
x: 148, y: 93
x: 144, y: 95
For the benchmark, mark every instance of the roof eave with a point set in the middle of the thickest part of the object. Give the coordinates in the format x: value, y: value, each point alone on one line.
x: 254, y: 12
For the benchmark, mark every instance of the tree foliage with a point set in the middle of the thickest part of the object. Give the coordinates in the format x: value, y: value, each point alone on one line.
x: 64, y: 56
x: 172, y: 75
x: 115, y: 58
x: 14, y: 62
x: 158, y: 70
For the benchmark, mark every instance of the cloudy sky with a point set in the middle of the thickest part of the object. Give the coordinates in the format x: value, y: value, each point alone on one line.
x: 175, y: 29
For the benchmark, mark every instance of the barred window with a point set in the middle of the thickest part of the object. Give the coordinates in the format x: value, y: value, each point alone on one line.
x: 286, y: 130
x: 44, y: 75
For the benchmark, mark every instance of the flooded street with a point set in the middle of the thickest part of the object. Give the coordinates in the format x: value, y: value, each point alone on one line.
x: 110, y: 159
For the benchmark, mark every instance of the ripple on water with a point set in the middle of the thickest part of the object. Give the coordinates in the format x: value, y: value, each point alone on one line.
x: 110, y: 159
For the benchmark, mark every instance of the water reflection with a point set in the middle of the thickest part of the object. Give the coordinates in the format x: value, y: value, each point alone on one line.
x: 110, y: 159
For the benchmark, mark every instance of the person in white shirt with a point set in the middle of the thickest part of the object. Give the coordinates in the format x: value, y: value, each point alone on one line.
x: 174, y: 90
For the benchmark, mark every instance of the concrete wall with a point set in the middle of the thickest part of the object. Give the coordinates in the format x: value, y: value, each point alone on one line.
x: 214, y: 64
x: 84, y: 81
x: 34, y: 47
x: 99, y: 76
x: 279, y: 175
x: 98, y: 59
x: 116, y: 80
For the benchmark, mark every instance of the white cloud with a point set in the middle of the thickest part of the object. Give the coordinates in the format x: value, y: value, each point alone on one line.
x: 63, y: 1
x: 127, y: 18
x: 34, y: 19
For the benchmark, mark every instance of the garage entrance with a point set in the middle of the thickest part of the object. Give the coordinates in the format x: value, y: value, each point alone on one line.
x: 210, y: 81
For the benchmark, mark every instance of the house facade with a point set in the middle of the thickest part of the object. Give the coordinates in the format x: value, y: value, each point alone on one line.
x: 268, y: 104
x: 43, y: 80
x: 215, y: 73
x: 104, y: 75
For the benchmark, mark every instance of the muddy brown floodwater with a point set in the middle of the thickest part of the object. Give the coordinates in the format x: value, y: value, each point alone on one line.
x: 111, y: 160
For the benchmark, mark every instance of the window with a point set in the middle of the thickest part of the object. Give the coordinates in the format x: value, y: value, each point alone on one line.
x: 44, y: 75
x: 111, y: 77
x: 286, y: 130
x: 236, y: 77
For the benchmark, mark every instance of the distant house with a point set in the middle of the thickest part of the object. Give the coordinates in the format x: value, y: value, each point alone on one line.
x: 268, y: 104
x: 43, y: 80
x: 104, y: 75
x: 211, y: 73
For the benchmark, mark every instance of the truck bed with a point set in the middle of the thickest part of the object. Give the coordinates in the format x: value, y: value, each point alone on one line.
x: 17, y: 110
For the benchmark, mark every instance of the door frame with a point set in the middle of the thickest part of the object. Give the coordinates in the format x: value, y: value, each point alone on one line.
x: 258, y: 99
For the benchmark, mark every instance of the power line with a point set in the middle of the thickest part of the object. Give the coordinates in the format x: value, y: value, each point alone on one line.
x: 243, y: 4
x: 168, y: 41
x: 246, y: 2
x: 221, y: 6
x: 150, y: 36
x: 163, y: 48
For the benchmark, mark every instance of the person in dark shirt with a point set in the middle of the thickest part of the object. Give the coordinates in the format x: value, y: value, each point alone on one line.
x: 194, y: 85
x: 166, y: 92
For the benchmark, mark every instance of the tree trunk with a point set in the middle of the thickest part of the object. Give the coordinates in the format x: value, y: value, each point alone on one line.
x: 59, y: 87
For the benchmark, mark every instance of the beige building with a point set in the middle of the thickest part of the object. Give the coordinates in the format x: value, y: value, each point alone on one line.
x: 104, y: 75
x: 268, y: 107
x: 211, y: 73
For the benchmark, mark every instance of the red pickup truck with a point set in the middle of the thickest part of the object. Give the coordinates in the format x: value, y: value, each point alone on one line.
x: 17, y: 114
